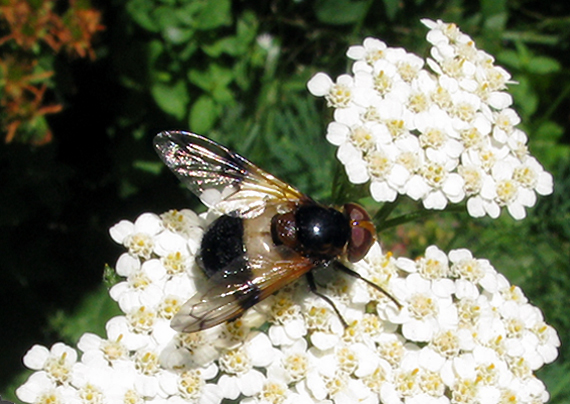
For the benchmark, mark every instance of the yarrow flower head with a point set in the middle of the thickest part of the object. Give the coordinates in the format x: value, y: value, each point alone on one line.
x: 443, y: 328
x: 463, y: 334
x: 439, y: 130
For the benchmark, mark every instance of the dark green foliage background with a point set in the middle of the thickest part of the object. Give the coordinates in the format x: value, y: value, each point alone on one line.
x: 196, y: 65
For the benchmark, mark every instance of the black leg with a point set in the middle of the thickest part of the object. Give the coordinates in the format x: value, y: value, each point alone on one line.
x: 313, y: 287
x: 350, y: 272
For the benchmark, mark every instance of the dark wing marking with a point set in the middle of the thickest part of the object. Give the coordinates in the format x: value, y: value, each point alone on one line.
x: 233, y: 290
x: 222, y: 179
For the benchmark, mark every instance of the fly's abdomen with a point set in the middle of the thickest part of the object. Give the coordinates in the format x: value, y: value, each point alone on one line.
x: 221, y: 244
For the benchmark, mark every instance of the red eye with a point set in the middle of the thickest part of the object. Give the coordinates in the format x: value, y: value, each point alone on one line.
x: 362, y: 232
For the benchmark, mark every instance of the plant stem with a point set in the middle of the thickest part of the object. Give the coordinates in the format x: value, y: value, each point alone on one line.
x: 412, y: 216
x: 380, y: 216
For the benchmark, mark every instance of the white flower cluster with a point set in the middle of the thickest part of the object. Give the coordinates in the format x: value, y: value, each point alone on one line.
x: 462, y: 335
x: 447, y: 134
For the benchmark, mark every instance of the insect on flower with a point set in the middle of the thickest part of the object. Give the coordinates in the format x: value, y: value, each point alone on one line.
x: 269, y: 233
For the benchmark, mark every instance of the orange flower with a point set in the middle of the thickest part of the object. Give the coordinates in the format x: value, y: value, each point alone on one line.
x: 29, y: 24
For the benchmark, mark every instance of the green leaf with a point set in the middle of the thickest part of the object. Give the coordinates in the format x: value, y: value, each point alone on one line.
x: 493, y: 7
x: 543, y: 65
x: 247, y: 27
x: 239, y: 44
x: 155, y: 49
x: 110, y: 277
x: 496, y: 22
x: 140, y: 11
x: 216, y: 76
x: 392, y: 8
x: 229, y: 45
x: 203, y: 114
x: 188, y: 51
x: 172, y: 98
x: 188, y: 13
x: 550, y: 132
x: 223, y: 95
x: 340, y: 12
x: 163, y: 17
x: 91, y: 315
x: 509, y: 58
x: 523, y: 59
x: 495, y: 13
x: 557, y: 378
x: 177, y: 35
x: 524, y: 95
x: 214, y: 14
x: 153, y: 167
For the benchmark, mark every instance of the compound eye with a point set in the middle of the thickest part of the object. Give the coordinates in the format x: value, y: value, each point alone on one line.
x: 360, y: 242
x: 362, y: 232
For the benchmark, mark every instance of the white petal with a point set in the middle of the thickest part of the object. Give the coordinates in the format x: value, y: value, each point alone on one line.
x: 492, y: 209
x: 210, y: 394
x: 347, y: 153
x: 167, y: 242
x: 431, y: 360
x: 453, y: 187
x: 168, y: 382
x: 398, y: 176
x: 382, y: 192
x: 416, y: 187
x: 475, y: 207
x: 356, y: 52
x: 148, y: 223
x: 545, y: 183
x: 121, y: 230
x: 526, y: 197
x: 127, y: 264
x: 488, y: 188
x: 324, y: 341
x: 407, y: 264
x: 435, y: 200
x: 128, y: 300
x: 154, y: 269
x: 345, y: 80
x: 229, y: 387
x: 118, y: 289
x: 418, y: 331
x: 499, y: 100
x: 296, y: 329
x: 465, y: 289
x: 251, y: 383
x: 434, y: 65
x: 337, y: 133
x: 320, y: 84
x: 146, y: 385
x: 36, y: 384
x: 316, y: 386
x: 517, y: 211
x: 548, y: 352
x: 348, y: 116
x: 357, y: 172
x: 261, y: 351
x: 429, y: 23
x: 36, y: 357
x: 89, y: 342
x: 503, y: 170
x: 60, y: 350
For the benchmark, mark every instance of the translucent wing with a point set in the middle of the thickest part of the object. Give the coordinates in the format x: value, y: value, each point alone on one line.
x: 222, y: 179
x: 237, y: 287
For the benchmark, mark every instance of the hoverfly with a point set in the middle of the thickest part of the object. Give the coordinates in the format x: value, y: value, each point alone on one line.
x: 269, y: 233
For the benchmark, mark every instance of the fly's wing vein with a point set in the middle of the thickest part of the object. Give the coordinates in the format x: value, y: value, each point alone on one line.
x: 222, y: 179
x: 236, y: 288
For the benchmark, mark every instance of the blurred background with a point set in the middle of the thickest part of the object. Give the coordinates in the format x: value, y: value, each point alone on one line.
x: 86, y: 85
